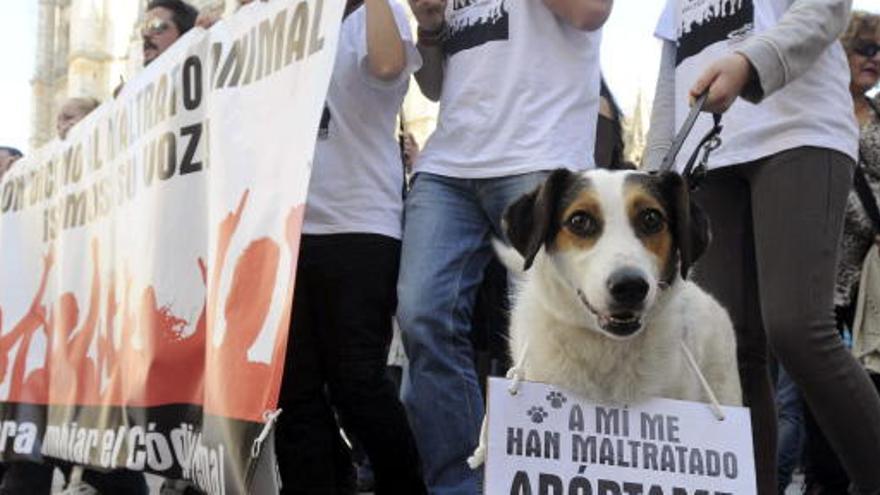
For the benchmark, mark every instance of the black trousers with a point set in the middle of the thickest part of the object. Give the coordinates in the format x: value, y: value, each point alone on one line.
x: 341, y: 328
x: 772, y: 263
x: 33, y: 478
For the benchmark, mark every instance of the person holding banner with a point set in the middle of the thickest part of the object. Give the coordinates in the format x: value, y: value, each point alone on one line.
x: 166, y: 21
x: 347, y: 272
x: 775, y: 193
x: 518, y: 85
x: 72, y: 111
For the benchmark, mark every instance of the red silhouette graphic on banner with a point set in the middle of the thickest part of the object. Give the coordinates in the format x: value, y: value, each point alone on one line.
x: 32, y: 321
x: 136, y: 351
x: 240, y: 387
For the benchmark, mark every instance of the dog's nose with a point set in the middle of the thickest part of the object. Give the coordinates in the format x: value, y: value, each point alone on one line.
x: 628, y: 287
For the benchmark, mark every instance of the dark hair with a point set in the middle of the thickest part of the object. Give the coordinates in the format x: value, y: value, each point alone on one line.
x: 611, y: 145
x: 12, y: 151
x: 184, y: 14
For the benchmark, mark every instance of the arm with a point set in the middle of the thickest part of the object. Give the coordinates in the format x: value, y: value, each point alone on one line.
x: 386, y: 56
x: 662, y: 129
x: 783, y: 53
x: 431, y: 16
x: 770, y: 60
x: 586, y: 15
x: 430, y: 76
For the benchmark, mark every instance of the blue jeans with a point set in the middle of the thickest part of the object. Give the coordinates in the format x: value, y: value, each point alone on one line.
x: 448, y: 225
x: 791, y: 428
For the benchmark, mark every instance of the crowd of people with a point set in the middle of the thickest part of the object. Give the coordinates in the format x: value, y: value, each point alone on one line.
x: 391, y: 232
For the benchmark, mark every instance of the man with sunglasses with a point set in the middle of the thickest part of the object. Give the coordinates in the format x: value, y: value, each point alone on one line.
x: 165, y: 22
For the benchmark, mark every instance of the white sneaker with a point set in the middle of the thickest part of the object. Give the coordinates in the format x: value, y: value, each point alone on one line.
x: 81, y: 488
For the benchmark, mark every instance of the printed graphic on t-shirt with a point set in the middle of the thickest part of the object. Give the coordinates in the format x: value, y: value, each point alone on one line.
x: 706, y: 22
x: 324, y: 128
x: 476, y: 22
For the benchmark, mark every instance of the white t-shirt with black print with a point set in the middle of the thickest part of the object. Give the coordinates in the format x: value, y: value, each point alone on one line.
x: 813, y: 110
x: 357, y: 173
x: 520, y: 92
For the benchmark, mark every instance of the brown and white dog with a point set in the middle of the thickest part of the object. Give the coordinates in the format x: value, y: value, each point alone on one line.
x: 603, y: 306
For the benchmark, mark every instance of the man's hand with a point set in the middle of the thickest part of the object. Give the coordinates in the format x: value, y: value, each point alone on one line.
x: 430, y: 14
x: 725, y: 80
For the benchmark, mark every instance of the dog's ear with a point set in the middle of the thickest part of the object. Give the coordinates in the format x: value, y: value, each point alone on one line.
x: 690, y: 224
x: 531, y: 220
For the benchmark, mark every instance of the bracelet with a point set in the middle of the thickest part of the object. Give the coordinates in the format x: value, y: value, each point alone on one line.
x: 434, y: 37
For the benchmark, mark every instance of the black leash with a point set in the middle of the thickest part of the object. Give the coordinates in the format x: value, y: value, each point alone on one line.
x: 710, y: 142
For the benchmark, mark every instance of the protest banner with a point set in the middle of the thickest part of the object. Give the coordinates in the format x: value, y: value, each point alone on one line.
x: 147, y: 262
x: 546, y: 441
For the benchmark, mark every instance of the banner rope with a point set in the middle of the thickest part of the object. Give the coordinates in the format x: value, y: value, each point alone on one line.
x: 271, y: 417
x: 713, y: 401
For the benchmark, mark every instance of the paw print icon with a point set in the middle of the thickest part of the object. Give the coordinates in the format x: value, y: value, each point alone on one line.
x: 556, y: 399
x: 537, y: 413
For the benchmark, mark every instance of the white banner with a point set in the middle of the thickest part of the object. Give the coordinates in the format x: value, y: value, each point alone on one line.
x: 546, y: 441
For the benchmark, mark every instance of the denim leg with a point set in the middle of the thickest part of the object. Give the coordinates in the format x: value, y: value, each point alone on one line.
x: 498, y: 193
x: 791, y: 428
x: 445, y: 251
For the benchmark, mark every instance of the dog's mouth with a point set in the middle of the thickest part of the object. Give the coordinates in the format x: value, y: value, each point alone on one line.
x: 619, y: 324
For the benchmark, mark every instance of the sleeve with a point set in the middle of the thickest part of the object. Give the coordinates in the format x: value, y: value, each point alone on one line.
x: 413, y: 58
x: 662, y: 128
x: 784, y: 52
x: 666, y: 28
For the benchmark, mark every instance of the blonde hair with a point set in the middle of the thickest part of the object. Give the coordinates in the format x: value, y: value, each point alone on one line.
x: 861, y: 24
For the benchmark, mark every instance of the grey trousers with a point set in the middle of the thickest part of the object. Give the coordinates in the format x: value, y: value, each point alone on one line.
x: 776, y: 226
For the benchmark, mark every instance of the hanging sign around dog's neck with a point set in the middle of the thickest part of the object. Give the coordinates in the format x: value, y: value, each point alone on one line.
x: 546, y: 441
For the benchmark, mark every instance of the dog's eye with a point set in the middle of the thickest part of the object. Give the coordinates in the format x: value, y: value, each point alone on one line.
x: 650, y: 221
x: 582, y: 224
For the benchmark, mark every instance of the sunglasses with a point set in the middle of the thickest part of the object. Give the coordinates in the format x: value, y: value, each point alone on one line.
x: 866, y: 49
x: 154, y: 26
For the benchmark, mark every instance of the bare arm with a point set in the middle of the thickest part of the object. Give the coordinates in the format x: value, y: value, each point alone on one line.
x: 431, y: 16
x: 430, y: 76
x: 586, y: 15
x: 386, y: 56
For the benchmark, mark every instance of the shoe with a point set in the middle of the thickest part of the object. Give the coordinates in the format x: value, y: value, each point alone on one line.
x: 81, y: 488
x: 366, y: 481
x: 178, y: 487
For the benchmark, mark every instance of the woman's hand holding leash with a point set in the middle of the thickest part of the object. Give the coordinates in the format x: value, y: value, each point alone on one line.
x: 724, y: 80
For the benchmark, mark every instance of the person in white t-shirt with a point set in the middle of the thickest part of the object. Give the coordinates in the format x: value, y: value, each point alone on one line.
x: 518, y: 85
x: 775, y: 194
x: 347, y: 272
